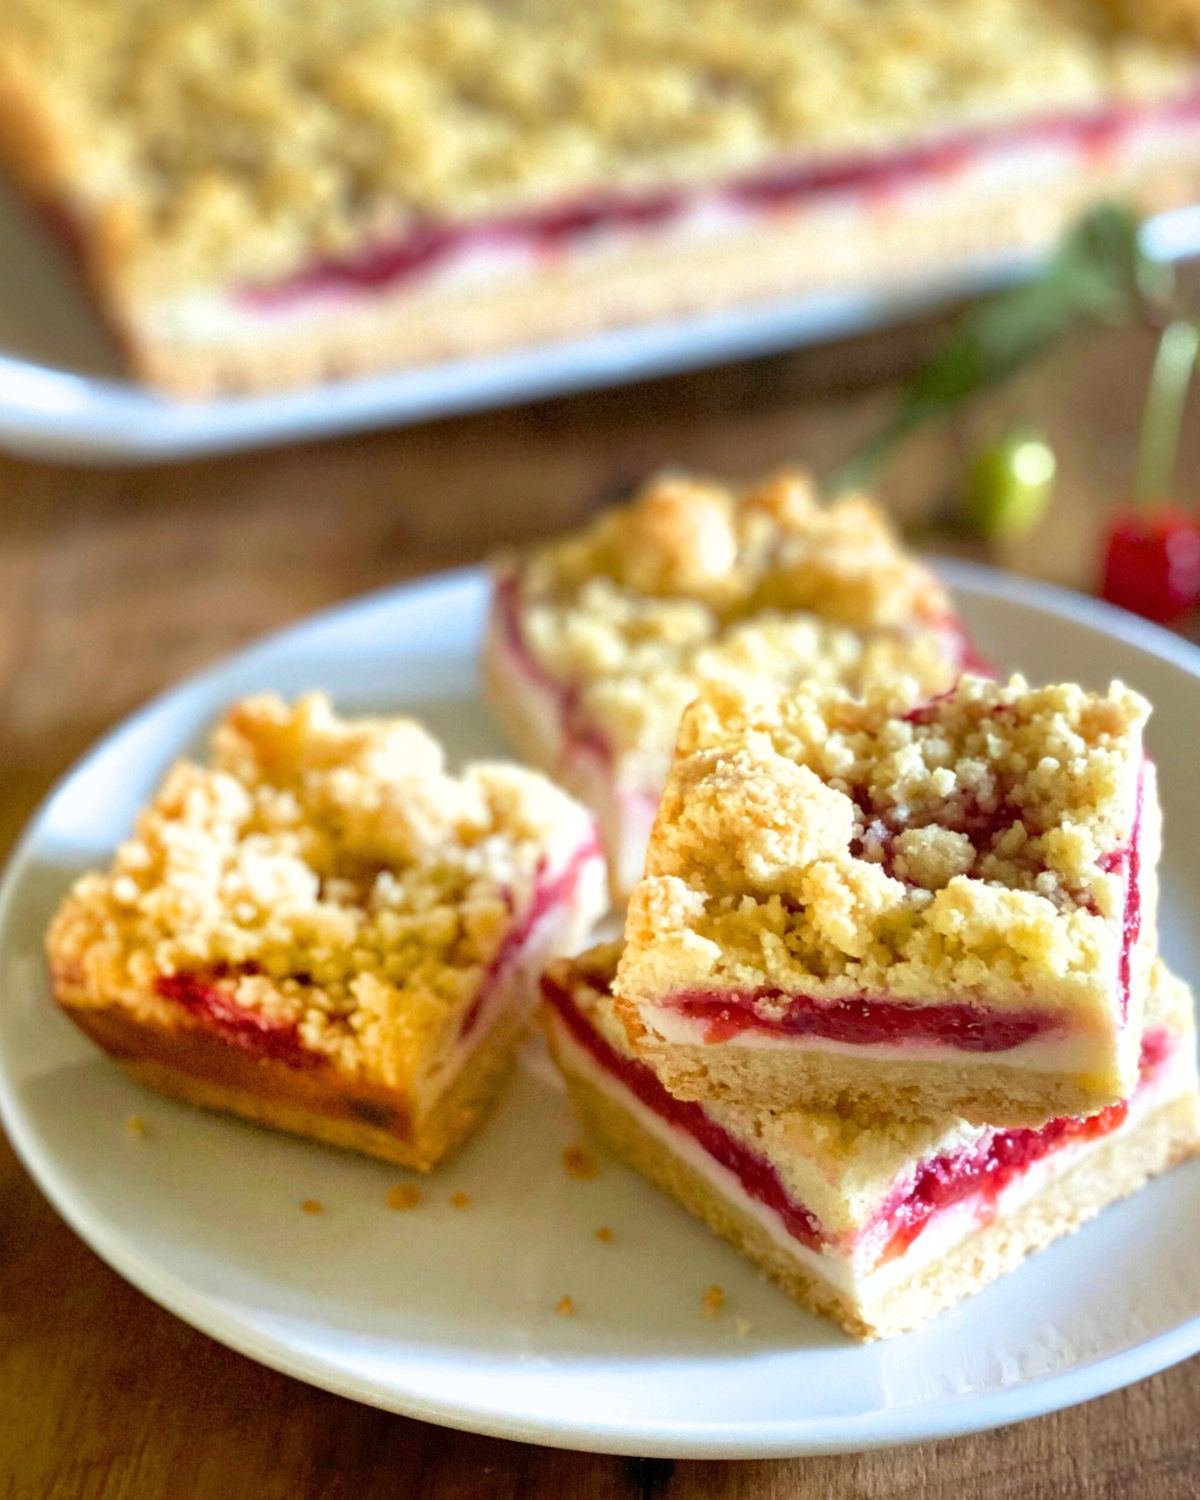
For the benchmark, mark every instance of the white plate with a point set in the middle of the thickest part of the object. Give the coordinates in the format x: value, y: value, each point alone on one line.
x: 449, y: 1314
x: 63, y: 395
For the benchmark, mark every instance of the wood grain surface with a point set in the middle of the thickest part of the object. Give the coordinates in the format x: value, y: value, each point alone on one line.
x: 116, y: 583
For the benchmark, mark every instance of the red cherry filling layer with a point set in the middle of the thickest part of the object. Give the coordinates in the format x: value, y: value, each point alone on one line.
x: 548, y: 895
x: 862, y: 1021
x: 982, y: 1172
x: 204, y: 996
x: 753, y: 1171
x: 997, y: 1161
x: 207, y: 995
x: 1128, y: 860
x: 548, y: 232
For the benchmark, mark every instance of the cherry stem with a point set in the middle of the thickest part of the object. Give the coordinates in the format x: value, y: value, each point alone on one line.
x: 1163, y: 414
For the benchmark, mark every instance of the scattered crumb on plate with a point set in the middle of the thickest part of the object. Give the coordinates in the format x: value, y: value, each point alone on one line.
x: 580, y: 1163
x: 460, y: 1200
x: 605, y: 1235
x: 565, y: 1307
x: 712, y: 1300
x: 311, y: 1206
x: 403, y: 1195
x: 135, y: 1125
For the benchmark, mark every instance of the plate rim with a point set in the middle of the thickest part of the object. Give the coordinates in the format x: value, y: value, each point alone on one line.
x: 795, y: 1437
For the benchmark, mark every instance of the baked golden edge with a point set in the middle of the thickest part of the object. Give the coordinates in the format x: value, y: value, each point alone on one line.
x: 1112, y: 1171
x: 192, y: 1062
x: 651, y: 282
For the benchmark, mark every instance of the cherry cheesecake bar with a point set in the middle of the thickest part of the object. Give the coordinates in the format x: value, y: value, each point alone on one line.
x: 267, y: 192
x: 873, y: 1222
x: 598, y: 641
x: 942, y: 907
x: 324, y: 931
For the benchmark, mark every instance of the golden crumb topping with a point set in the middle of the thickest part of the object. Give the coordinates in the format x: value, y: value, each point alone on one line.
x: 322, y: 874
x: 236, y: 138
x: 693, y: 581
x: 813, y: 842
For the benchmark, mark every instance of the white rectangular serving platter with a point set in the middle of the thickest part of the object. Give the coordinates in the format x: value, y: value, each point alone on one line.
x: 64, y: 397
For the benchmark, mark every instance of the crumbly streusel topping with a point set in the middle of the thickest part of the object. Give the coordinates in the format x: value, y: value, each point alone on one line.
x: 841, y: 1164
x: 235, y: 138
x: 694, y: 581
x: 814, y: 842
x: 331, y: 871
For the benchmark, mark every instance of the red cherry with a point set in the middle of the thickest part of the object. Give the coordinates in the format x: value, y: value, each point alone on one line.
x: 1152, y: 563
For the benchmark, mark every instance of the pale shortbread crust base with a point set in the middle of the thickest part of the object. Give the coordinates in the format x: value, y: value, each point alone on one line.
x: 1109, y: 1172
x: 788, y: 1078
x: 192, y: 1063
x: 907, y: 239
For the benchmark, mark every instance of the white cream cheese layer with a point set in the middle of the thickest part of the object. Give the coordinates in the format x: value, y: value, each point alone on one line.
x: 853, y: 1273
x: 1079, y: 1052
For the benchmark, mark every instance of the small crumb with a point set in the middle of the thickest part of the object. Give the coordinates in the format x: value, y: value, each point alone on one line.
x: 565, y: 1307
x: 712, y: 1300
x: 605, y: 1235
x: 403, y: 1195
x: 135, y: 1125
x: 460, y: 1200
x: 311, y: 1206
x: 580, y: 1164
x: 743, y: 1328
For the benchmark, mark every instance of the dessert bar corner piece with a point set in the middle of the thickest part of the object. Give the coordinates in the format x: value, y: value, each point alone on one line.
x: 599, y: 640
x: 946, y: 908
x: 324, y: 931
x: 873, y: 1222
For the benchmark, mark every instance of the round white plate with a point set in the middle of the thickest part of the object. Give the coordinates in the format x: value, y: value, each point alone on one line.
x: 449, y: 1313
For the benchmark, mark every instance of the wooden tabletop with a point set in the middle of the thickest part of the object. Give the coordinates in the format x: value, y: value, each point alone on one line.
x: 116, y: 583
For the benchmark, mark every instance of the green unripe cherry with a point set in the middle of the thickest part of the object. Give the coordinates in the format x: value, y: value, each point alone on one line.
x: 1009, y: 486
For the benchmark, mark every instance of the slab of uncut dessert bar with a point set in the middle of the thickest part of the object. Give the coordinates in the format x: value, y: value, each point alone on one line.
x: 942, y: 907
x: 598, y: 641
x: 874, y: 1222
x: 270, y: 192
x: 323, y: 931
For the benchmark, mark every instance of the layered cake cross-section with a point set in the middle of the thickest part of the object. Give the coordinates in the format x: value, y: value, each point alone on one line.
x: 873, y: 1222
x: 945, y: 907
x: 265, y: 193
x: 324, y: 931
x: 599, y: 640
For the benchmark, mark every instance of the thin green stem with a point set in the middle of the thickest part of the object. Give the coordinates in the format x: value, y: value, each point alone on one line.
x: 1163, y: 414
